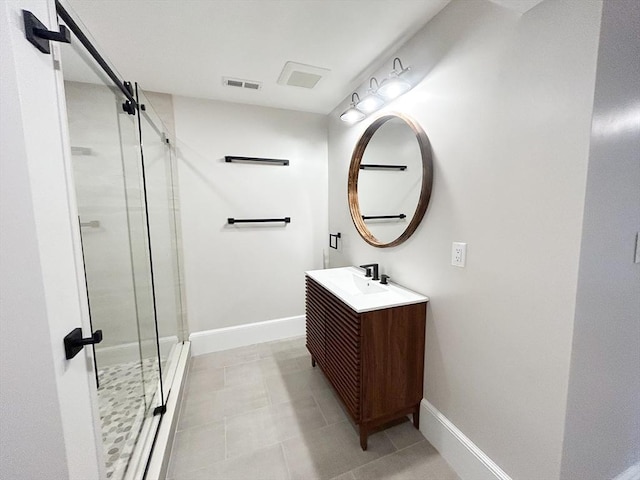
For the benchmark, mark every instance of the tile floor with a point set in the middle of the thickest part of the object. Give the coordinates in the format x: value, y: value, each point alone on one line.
x: 262, y: 412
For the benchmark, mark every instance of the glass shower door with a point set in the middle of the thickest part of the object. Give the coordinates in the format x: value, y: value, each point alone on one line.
x: 162, y: 209
x: 108, y: 179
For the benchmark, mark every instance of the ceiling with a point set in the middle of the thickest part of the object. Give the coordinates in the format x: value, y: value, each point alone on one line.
x: 185, y: 47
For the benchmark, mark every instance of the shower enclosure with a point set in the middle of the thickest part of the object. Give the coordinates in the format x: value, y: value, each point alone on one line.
x: 125, y: 183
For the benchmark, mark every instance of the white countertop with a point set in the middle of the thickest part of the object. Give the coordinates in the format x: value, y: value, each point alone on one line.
x: 361, y: 293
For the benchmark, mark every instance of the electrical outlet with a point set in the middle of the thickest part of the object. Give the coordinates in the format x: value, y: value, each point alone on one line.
x: 458, y: 254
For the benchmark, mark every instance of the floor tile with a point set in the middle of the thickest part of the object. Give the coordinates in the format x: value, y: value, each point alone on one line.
x: 200, y: 383
x: 272, y: 424
x: 330, y: 405
x: 283, y: 366
x: 221, y: 403
x: 225, y: 358
x: 243, y: 373
x: 240, y: 399
x: 250, y: 431
x: 264, y: 367
x: 196, y: 412
x: 418, y: 462
x: 331, y: 451
x: 283, y: 388
x: 288, y: 348
x: 196, y: 448
x: 304, y: 361
x: 261, y: 412
x: 265, y: 464
x: 404, y: 435
x: 345, y: 476
x: 297, y: 417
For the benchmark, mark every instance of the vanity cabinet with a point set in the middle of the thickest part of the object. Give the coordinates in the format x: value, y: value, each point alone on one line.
x: 374, y: 360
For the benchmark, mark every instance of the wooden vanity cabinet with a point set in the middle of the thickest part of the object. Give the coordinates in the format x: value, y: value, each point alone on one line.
x: 374, y: 360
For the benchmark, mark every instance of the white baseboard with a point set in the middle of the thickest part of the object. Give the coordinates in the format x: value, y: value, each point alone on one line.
x: 469, y: 462
x: 209, y: 341
x: 631, y: 473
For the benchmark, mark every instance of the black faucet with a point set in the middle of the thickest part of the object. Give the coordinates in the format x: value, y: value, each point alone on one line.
x: 369, y: 267
x: 384, y: 279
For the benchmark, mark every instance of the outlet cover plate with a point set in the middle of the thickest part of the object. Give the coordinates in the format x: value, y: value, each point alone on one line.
x: 458, y: 254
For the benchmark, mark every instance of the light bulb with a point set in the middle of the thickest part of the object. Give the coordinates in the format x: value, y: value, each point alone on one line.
x: 370, y: 103
x: 352, y: 115
x: 393, y: 87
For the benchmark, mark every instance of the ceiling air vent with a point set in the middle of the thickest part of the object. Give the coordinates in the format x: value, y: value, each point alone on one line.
x: 301, y: 75
x: 239, y: 83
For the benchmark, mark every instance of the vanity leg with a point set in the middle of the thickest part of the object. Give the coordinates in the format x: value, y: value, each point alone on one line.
x: 313, y: 362
x: 416, y: 417
x: 363, y: 437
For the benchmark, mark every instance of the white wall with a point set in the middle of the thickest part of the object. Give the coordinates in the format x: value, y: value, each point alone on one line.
x: 602, y: 433
x: 244, y: 274
x: 25, y: 433
x: 506, y: 100
x: 47, y: 424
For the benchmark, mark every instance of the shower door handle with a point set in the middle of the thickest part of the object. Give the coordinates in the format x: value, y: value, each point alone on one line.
x: 74, y: 342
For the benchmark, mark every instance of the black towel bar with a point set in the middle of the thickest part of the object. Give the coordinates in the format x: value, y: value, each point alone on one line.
x: 231, y: 221
x: 373, y: 166
x: 272, y: 161
x: 377, y: 217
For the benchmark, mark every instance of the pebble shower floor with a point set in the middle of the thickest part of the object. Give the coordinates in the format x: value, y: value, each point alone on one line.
x: 122, y: 411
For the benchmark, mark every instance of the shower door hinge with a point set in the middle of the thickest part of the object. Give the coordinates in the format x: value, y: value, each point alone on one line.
x: 39, y: 35
x: 160, y: 410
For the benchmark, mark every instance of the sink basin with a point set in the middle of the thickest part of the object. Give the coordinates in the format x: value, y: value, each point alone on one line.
x: 356, y: 284
x: 361, y: 293
x: 368, y: 286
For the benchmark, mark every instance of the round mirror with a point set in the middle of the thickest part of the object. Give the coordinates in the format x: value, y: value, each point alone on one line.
x: 390, y: 180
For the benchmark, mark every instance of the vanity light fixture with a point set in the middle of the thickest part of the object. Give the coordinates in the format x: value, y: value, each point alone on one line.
x: 394, y: 86
x: 352, y: 114
x: 378, y: 94
x: 371, y: 102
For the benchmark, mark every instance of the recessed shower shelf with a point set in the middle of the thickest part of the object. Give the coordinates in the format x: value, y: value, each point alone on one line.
x: 266, y: 161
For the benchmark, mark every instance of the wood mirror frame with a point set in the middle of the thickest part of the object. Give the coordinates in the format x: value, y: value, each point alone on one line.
x: 425, y: 191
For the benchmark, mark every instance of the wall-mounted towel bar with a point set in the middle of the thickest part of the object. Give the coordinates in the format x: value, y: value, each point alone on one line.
x: 380, y: 217
x: 91, y: 224
x: 270, y: 161
x: 231, y: 221
x: 373, y: 166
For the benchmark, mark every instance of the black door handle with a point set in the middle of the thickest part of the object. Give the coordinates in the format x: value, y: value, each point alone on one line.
x: 74, y: 342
